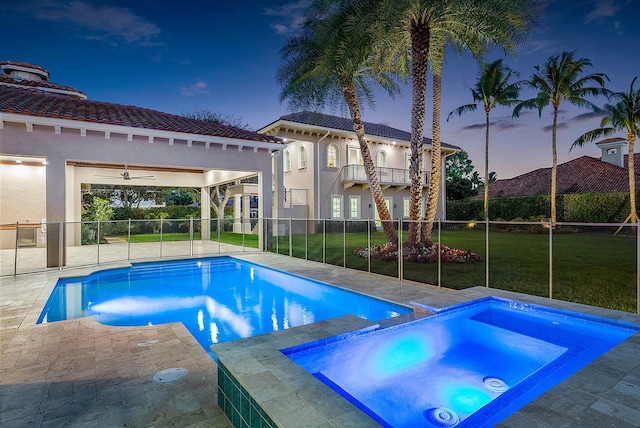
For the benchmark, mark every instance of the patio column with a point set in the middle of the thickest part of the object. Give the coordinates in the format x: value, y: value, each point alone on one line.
x: 205, y: 214
x: 56, y: 200
x: 237, y: 213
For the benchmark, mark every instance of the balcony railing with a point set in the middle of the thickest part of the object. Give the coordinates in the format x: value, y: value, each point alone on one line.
x: 294, y: 197
x: 355, y: 174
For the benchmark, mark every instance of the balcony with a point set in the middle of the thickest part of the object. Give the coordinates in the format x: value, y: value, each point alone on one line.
x: 389, y: 177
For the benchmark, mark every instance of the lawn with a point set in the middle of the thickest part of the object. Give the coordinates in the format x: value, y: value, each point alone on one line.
x: 598, y: 269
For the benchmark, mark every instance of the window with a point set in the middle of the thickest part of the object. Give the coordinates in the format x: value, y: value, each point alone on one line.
x: 355, y: 158
x: 332, y: 156
x: 407, y: 161
x: 287, y: 161
x: 382, y: 159
x: 336, y: 206
x: 302, y: 158
x: 354, y: 206
x: 405, y: 207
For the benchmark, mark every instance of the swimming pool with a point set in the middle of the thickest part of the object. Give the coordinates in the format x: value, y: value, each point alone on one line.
x: 217, y: 299
x: 472, y: 364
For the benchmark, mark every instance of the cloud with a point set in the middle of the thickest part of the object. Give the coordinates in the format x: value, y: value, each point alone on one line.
x: 587, y: 117
x: 497, y: 124
x: 101, y: 22
x: 197, y: 88
x: 602, y: 9
x: 291, y: 16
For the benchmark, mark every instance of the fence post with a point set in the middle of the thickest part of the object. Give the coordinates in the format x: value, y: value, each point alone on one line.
x: 439, y: 246
x: 486, y: 252
x: 290, y: 239
x: 242, y: 230
x: 129, y: 240
x: 160, y: 237
x: 191, y: 236
x: 324, y: 240
x: 98, y: 256
x: 218, y: 221
x: 15, y: 254
x: 551, y: 258
x: 400, y: 256
x: 369, y: 244
x: 637, y: 269
x: 61, y: 246
x: 306, y: 239
x: 344, y: 242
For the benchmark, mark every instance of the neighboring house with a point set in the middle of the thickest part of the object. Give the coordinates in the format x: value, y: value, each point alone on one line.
x: 53, y: 141
x: 323, y: 173
x: 585, y: 174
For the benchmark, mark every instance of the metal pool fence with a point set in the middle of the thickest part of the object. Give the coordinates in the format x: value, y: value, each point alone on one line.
x: 591, y: 263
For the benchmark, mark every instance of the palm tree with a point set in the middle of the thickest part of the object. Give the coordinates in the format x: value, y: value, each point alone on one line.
x: 623, y: 116
x: 468, y: 24
x: 493, y: 88
x: 561, y: 78
x: 331, y: 61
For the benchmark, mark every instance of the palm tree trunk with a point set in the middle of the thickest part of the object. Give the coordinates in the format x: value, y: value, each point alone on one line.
x: 554, y: 167
x: 349, y: 92
x: 486, y: 169
x: 632, y: 178
x: 420, y: 54
x: 436, y: 160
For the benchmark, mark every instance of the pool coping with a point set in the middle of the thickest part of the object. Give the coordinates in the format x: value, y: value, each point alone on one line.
x: 603, y: 393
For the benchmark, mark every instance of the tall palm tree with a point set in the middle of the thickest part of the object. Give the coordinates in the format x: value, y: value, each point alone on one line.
x: 559, y: 79
x: 469, y: 24
x: 622, y: 116
x: 330, y: 61
x: 493, y: 88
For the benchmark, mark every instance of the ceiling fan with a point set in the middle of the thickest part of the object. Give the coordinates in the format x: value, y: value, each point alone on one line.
x: 126, y: 176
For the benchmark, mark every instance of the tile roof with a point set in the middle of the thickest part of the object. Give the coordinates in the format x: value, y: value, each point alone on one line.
x: 9, y: 80
x: 344, y: 124
x: 585, y: 174
x: 24, y: 65
x: 30, y: 101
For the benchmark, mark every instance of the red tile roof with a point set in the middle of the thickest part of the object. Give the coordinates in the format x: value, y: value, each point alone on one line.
x: 9, y: 80
x: 582, y: 175
x: 24, y: 65
x: 30, y: 101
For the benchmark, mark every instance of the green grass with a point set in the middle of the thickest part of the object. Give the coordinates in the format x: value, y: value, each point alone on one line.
x: 598, y: 269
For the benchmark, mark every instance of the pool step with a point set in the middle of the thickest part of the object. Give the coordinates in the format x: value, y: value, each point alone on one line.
x: 401, y: 319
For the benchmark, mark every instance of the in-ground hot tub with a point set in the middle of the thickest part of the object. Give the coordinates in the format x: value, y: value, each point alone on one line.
x: 471, y: 364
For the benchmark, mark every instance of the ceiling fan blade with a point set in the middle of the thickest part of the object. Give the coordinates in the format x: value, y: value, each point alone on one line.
x: 142, y: 177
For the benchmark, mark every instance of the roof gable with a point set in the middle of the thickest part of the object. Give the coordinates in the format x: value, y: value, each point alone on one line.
x: 325, y: 121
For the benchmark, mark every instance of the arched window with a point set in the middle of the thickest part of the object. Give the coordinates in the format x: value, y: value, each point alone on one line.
x: 332, y: 156
x: 302, y: 158
x: 287, y: 160
x: 382, y: 159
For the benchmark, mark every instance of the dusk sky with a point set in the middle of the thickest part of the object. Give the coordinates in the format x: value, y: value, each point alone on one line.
x: 223, y: 55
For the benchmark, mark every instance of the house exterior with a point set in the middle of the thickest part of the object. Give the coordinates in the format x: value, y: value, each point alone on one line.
x: 322, y: 167
x: 585, y: 174
x: 53, y: 140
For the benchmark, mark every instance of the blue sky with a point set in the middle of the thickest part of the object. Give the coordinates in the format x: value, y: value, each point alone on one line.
x: 223, y: 55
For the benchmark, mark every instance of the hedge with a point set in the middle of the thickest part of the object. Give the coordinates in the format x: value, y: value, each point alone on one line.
x: 578, y: 208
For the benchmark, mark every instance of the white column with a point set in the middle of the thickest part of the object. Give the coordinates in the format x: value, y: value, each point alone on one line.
x: 205, y: 214
x: 237, y: 213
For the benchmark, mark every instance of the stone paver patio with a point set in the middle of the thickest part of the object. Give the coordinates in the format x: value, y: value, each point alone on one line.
x: 80, y: 373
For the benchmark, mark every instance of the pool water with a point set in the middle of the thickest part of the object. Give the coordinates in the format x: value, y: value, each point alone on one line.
x: 469, y: 365
x: 217, y: 299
